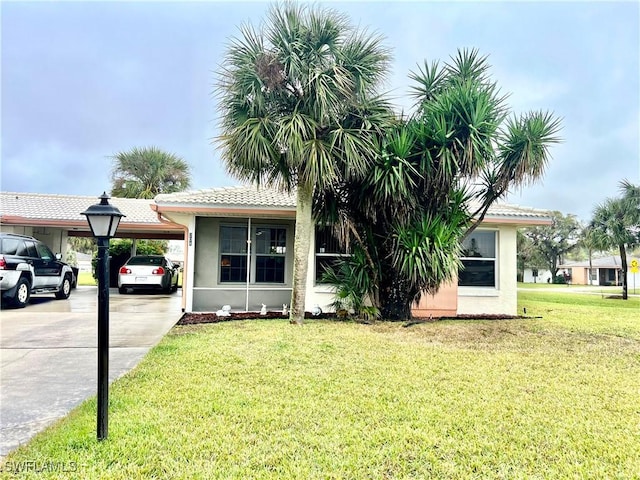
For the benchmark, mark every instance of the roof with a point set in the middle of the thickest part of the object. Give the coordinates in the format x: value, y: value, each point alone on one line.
x: 611, y: 261
x: 248, y: 196
x: 69, y: 207
x: 256, y: 199
x: 43, y: 209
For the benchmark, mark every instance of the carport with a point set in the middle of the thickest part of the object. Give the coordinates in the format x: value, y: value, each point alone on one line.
x: 52, y: 218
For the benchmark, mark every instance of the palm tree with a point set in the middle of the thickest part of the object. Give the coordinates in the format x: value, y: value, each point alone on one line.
x: 146, y: 172
x: 591, y: 241
x: 411, y: 212
x: 616, y: 222
x: 299, y: 110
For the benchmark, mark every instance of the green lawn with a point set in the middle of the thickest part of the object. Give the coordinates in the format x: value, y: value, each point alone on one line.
x: 86, y: 278
x: 551, y: 397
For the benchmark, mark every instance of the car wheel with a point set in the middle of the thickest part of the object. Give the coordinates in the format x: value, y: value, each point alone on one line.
x: 122, y: 290
x: 65, y: 290
x: 23, y: 293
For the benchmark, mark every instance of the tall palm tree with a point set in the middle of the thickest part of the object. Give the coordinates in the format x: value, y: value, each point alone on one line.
x: 591, y: 241
x: 616, y: 221
x: 146, y: 172
x: 300, y: 111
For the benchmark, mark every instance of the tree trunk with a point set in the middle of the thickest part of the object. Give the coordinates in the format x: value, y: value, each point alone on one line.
x: 301, y: 248
x: 623, y: 259
x: 395, y: 298
x: 554, y: 269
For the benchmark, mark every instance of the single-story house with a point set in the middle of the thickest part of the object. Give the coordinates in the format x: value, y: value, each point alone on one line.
x: 239, y: 252
x: 536, y: 275
x: 604, y: 271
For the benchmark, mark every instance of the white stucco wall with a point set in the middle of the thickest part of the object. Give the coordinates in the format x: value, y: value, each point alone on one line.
x: 543, y: 276
x: 504, y: 298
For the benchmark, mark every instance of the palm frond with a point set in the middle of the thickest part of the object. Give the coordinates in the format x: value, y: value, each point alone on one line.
x: 524, y: 145
x: 430, y: 81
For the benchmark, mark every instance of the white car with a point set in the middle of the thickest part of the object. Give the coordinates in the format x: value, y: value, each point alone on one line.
x: 146, y: 272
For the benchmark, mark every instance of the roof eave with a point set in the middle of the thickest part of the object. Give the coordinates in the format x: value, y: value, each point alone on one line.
x: 521, y: 221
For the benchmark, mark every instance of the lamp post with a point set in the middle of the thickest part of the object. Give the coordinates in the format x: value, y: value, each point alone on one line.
x: 103, y: 219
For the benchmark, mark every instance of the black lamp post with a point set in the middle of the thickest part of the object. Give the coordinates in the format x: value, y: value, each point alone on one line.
x: 103, y: 219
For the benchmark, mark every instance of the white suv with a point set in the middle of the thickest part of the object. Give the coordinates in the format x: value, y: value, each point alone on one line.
x: 27, y: 266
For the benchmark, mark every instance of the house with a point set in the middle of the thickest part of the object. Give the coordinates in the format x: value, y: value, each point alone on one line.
x: 604, y: 271
x: 536, y: 275
x: 239, y: 252
x: 239, y: 247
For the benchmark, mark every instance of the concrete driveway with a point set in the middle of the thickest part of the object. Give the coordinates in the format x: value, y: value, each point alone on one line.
x: 48, y: 353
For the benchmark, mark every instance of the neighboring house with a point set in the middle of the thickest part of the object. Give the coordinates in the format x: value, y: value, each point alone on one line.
x: 536, y: 275
x: 83, y: 261
x: 239, y: 252
x: 604, y: 271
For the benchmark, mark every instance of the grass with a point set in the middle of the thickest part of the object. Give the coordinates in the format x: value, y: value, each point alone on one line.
x: 86, y: 279
x: 542, y: 398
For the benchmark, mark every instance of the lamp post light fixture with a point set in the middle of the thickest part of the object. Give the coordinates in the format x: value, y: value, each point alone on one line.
x: 103, y: 219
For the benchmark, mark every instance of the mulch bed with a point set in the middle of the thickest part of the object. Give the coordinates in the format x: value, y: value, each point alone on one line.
x: 196, y: 318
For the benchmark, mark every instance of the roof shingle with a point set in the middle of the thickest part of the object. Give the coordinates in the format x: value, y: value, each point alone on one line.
x: 37, y: 206
x: 253, y: 197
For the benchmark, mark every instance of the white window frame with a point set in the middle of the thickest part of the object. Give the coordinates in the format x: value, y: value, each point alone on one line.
x: 494, y: 259
x: 320, y: 253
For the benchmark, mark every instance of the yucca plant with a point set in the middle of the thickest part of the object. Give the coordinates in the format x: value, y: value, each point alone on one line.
x: 412, y: 209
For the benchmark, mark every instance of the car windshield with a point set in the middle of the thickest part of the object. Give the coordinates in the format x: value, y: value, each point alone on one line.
x: 145, y: 261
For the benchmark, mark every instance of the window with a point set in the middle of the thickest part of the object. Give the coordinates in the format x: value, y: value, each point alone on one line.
x: 10, y: 246
x: 43, y: 252
x: 479, y: 260
x: 27, y: 249
x: 270, y: 251
x: 328, y: 250
x: 233, y: 254
x: 268, y: 254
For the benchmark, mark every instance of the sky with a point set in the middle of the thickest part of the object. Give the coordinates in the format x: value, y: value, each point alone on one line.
x: 82, y: 81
